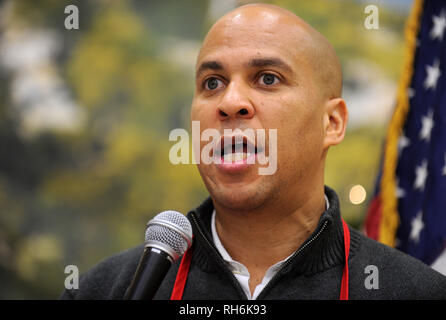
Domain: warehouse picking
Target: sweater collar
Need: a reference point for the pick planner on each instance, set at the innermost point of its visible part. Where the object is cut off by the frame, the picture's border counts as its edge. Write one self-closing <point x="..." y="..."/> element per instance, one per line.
<point x="322" y="250"/>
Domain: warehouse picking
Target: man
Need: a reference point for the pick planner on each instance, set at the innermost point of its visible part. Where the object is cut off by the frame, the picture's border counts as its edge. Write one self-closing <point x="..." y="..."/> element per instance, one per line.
<point x="280" y="235"/>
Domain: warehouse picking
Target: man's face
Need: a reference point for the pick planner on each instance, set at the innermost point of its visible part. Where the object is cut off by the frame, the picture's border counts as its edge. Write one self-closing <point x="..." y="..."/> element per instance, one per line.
<point x="254" y="72"/>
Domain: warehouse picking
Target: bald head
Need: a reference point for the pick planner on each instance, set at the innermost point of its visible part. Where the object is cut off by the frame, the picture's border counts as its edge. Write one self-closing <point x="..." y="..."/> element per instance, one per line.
<point x="278" y="26"/>
<point x="262" y="67"/>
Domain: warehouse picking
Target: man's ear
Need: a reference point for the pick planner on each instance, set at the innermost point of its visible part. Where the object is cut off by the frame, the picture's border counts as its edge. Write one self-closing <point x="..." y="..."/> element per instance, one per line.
<point x="335" y="121"/>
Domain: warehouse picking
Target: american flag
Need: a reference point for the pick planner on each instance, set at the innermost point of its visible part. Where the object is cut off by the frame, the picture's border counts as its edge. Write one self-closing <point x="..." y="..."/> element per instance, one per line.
<point x="409" y="208"/>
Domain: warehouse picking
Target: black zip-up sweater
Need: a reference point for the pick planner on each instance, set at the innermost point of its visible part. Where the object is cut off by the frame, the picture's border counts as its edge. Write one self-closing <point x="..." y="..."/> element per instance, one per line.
<point x="313" y="272"/>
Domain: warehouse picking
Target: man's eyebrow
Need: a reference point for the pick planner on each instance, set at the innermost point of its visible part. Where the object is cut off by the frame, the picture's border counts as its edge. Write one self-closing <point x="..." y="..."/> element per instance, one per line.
<point x="213" y="65"/>
<point x="256" y="62"/>
<point x="266" y="62"/>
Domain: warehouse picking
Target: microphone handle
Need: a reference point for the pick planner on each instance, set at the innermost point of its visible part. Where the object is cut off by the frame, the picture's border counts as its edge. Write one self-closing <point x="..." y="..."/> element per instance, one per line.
<point x="151" y="270"/>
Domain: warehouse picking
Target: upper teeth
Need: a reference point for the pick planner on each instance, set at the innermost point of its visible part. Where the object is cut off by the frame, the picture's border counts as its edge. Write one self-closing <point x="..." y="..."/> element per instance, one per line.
<point x="236" y="156"/>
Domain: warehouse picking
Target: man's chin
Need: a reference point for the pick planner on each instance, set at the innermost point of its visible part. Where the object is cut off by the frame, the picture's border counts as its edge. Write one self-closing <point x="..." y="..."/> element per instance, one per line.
<point x="238" y="192"/>
<point x="239" y="199"/>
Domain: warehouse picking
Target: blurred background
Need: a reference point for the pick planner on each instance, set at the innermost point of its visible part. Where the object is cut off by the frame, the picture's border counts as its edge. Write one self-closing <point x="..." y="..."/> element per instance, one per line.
<point x="85" y="116"/>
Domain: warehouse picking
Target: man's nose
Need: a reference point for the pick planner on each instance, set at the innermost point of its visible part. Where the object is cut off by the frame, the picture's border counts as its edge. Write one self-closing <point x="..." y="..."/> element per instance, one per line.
<point x="235" y="103"/>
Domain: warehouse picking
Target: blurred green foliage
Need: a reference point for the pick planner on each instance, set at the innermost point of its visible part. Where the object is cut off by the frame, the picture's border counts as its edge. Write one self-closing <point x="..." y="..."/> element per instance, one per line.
<point x="342" y="23"/>
<point x="76" y="197"/>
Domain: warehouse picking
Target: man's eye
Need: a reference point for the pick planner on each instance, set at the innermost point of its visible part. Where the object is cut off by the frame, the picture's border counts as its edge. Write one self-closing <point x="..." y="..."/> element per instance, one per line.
<point x="268" y="79"/>
<point x="212" y="83"/>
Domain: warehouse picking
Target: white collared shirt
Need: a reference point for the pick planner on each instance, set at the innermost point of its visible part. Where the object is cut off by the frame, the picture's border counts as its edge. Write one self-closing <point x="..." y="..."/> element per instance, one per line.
<point x="240" y="271"/>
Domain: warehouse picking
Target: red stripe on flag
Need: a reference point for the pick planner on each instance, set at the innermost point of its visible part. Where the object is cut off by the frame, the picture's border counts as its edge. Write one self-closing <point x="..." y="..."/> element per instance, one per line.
<point x="373" y="218"/>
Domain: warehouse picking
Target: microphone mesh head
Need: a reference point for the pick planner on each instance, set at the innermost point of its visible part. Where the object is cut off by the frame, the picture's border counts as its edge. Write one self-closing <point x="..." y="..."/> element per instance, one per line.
<point x="172" y="231"/>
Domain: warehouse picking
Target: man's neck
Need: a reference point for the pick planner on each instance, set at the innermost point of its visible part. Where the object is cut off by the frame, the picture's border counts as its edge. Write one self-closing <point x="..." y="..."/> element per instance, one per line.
<point x="262" y="238"/>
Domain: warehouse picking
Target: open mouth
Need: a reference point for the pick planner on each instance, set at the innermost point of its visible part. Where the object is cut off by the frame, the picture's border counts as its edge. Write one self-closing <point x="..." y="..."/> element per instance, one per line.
<point x="236" y="149"/>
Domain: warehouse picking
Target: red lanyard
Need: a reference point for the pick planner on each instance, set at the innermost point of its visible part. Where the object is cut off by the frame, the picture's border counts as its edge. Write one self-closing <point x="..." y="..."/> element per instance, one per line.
<point x="180" y="281"/>
<point x="344" y="281"/>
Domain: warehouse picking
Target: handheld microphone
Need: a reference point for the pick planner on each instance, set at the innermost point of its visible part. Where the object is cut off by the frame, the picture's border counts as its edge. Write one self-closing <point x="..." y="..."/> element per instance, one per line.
<point x="168" y="236"/>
